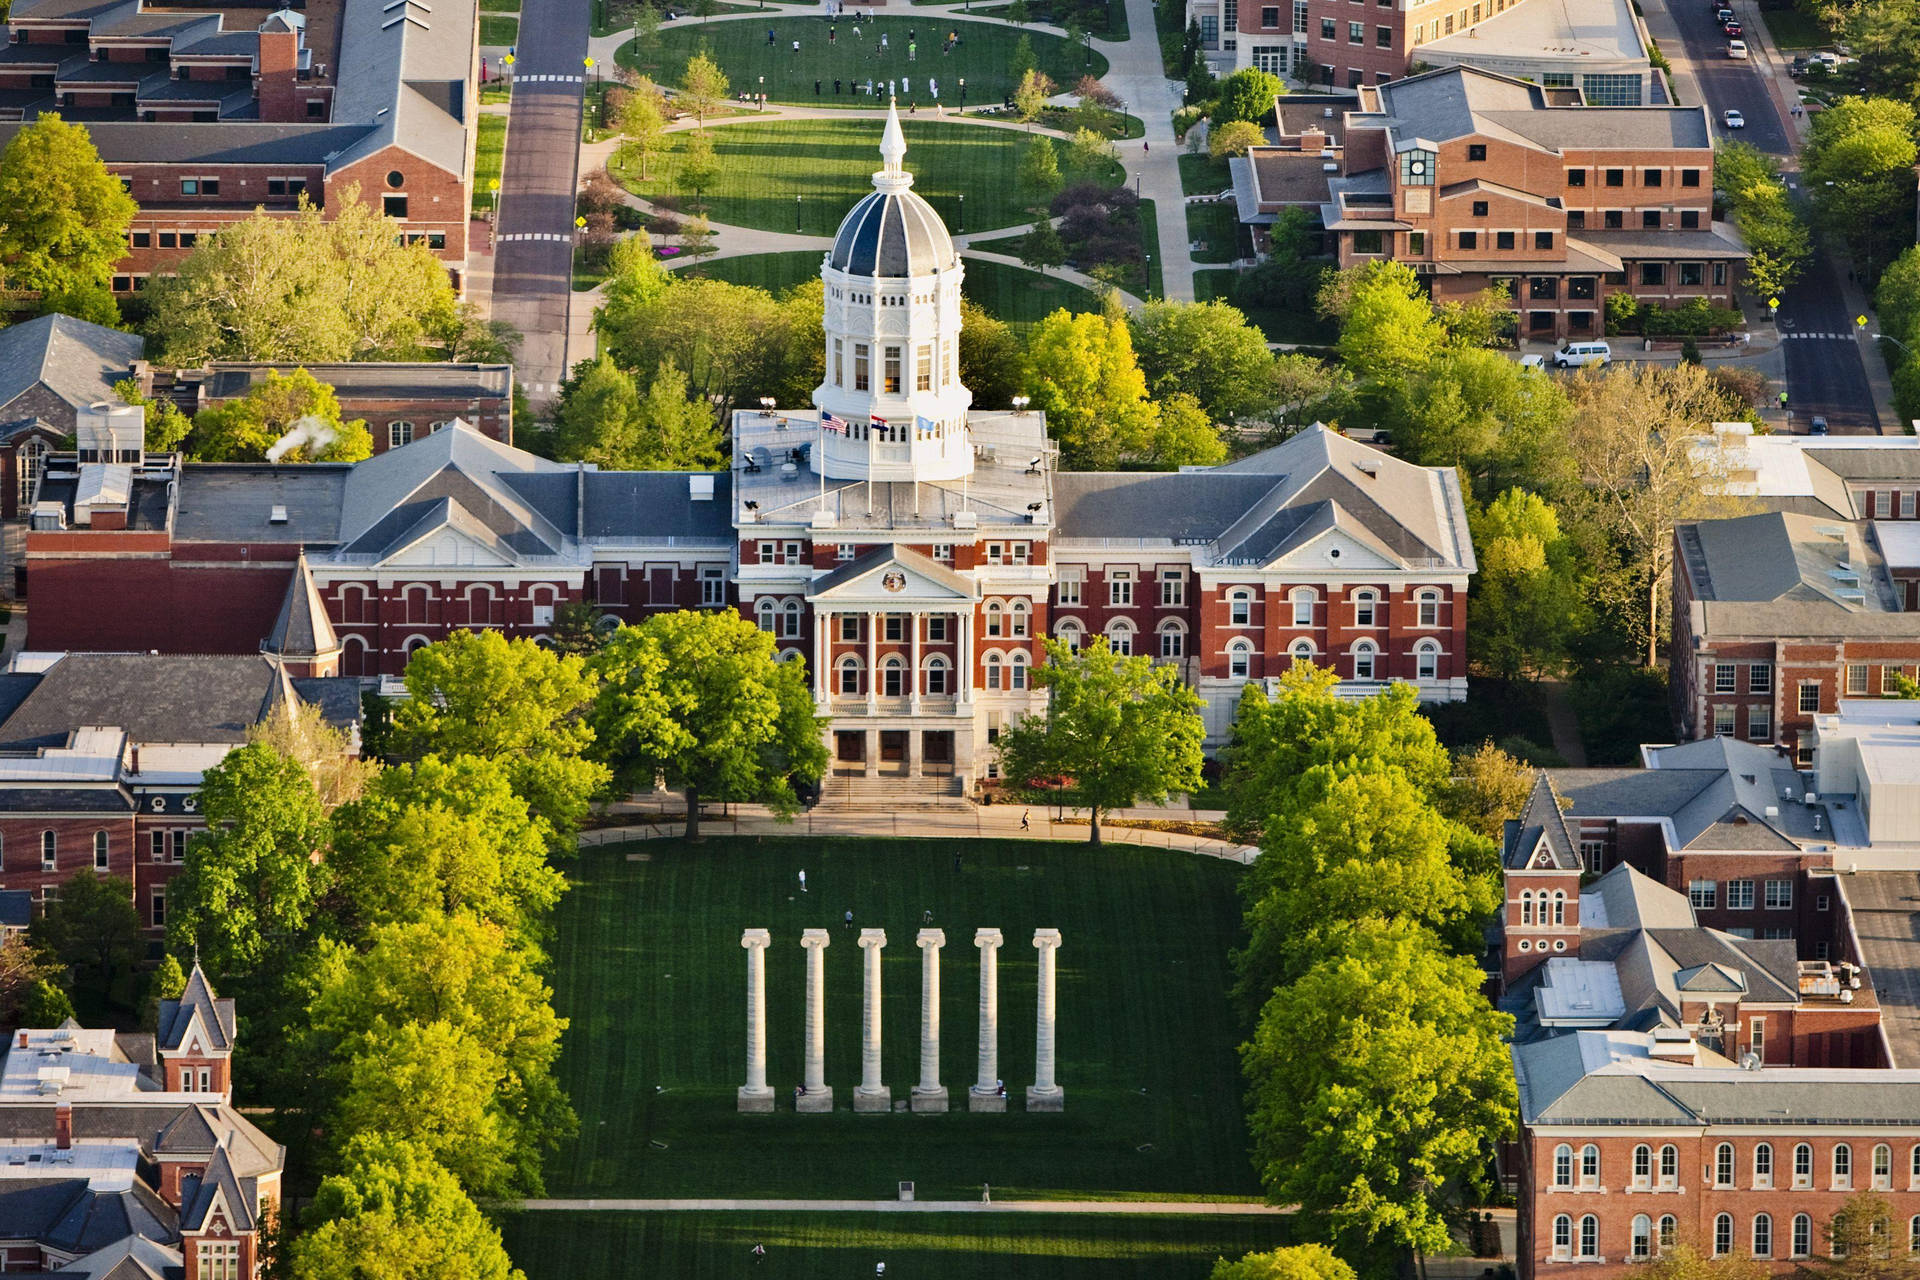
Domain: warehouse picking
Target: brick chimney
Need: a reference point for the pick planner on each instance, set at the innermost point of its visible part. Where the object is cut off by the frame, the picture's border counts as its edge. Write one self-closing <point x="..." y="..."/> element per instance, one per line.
<point x="63" y="1125"/>
<point x="279" y="76"/>
<point x="23" y="1039"/>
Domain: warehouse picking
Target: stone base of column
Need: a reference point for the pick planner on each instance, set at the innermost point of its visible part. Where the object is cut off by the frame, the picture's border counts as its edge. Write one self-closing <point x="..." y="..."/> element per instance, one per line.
<point x="928" y="1101"/>
<point x="814" y="1102"/>
<point x="1054" y="1099"/>
<point x="879" y="1100"/>
<point x="756" y="1100"/>
<point x="992" y="1100"/>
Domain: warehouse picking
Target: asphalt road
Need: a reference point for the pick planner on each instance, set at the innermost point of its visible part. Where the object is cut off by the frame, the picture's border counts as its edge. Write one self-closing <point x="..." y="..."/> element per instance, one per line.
<point x="1825" y="372"/>
<point x="533" y="250"/>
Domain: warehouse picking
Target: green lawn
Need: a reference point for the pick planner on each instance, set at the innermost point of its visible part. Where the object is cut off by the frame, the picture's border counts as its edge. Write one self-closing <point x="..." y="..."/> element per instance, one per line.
<point x="774" y="272"/>
<point x="1298" y="327"/>
<point x="696" y="1246"/>
<point x="499" y="30"/>
<point x="982" y="57"/>
<point x="1202" y="175"/>
<point x="1792" y="29"/>
<point x="1014" y="294"/>
<point x="489" y="150"/>
<point x="829" y="165"/>
<point x="499" y="6"/>
<point x="1154" y="285"/>
<point x="648" y="968"/>
<point x="1217" y="228"/>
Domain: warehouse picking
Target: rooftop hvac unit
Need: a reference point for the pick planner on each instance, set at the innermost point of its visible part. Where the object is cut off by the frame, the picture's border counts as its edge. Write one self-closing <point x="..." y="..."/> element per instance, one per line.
<point x="700" y="488"/>
<point x="278" y="515"/>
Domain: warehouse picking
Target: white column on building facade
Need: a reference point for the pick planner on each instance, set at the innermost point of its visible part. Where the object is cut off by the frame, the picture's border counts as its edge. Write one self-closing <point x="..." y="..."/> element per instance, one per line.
<point x="814" y="1093"/>
<point x="873" y="659"/>
<point x="1045" y="1093"/>
<point x="964" y="664"/>
<point x="915" y="621"/>
<point x="930" y="1094"/>
<point x="756" y="1095"/>
<point x="823" y="655"/>
<point x="986" y="1093"/>
<point x="872" y="1095"/>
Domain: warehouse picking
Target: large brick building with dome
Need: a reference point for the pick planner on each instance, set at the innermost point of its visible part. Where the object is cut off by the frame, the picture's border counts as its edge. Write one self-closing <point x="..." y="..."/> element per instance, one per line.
<point x="910" y="547"/>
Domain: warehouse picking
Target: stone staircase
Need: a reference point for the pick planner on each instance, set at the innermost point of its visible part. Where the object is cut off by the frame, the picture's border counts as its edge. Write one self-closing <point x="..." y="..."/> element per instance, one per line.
<point x="896" y="794"/>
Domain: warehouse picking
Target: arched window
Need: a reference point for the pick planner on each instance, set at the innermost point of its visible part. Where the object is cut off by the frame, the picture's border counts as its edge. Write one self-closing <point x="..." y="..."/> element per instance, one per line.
<point x="1762" y="1235"/>
<point x="353" y="604"/>
<point x="1240" y="607"/>
<point x="892" y="677"/>
<point x="1303" y="599"/>
<point x="1017" y="670"/>
<point x="1669" y="1228"/>
<point x="1913" y="1234"/>
<point x="937" y="672"/>
<point x="1301" y="652"/>
<point x="1763" y="1165"/>
<point x="353" y="657"/>
<point x="1559" y="907"/>
<point x="1723" y="1235"/>
<point x="1641" y="1237"/>
<point x="1589" y="1237"/>
<point x="1669" y="1166"/>
<point x="849" y="668"/>
<point x="1842" y="1167"/>
<point x="1070" y="633"/>
<point x="1590" y="1165"/>
<point x="1364" y="658"/>
<point x="1913" y="1168"/>
<point x="1017" y="618"/>
<point x="1427" y="609"/>
<point x="1563" y="1165"/>
<point x="480" y="606"/>
<point x="1526" y="906"/>
<point x="1643" y="1166"/>
<point x="1802" y="1244"/>
<point x="1120" y="636"/>
<point x="994" y="666"/>
<point x="414" y="644"/>
<point x="1563" y="1237"/>
<point x="1239" y="659"/>
<point x="1723" y="1165"/>
<point x="1803" y="1165"/>
<point x="399" y="433"/>
<point x="790" y="619"/>
<point x="1365" y="606"/>
<point x="1882" y="1166"/>
<point x="1173" y="638"/>
<point x="792" y="655"/>
<point x="99" y="851"/>
<point x="996" y="619"/>
<point x="763" y="614"/>
<point x="1426" y="657"/>
<point x="29" y="462"/>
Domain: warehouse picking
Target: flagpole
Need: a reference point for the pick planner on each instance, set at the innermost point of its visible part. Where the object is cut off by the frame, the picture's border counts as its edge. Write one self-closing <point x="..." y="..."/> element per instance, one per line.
<point x="820" y="454"/>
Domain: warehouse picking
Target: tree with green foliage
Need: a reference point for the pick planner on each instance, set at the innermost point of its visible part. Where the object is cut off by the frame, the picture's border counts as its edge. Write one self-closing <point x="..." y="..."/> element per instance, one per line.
<point x="1526" y="600"/>
<point x="1858" y="163"/>
<point x="732" y="341"/>
<point x="63" y="215"/>
<point x="1487" y="788"/>
<point x="167" y="982"/>
<point x="1247" y="94"/>
<point x="989" y="357"/>
<point x="703" y="86"/>
<point x="166" y="426"/>
<point x="390" y="1201"/>
<point x="1884" y="35"/>
<point x="477" y="693"/>
<point x="45" y="1005"/>
<point x="1379" y="1084"/>
<point x="1019" y="14"/>
<point x="1117" y="731"/>
<point x="1684" y="1259"/>
<point x="285" y="417"/>
<point x="1081" y="370"/>
<point x="1388" y="332"/>
<point x="494" y="1017"/>
<point x="579" y="628"/>
<point x="1040" y="248"/>
<point x="305" y="288"/>
<point x="1089" y="154"/>
<point x="1030" y="97"/>
<point x="253" y="878"/>
<point x="1184" y="435"/>
<point x="1775" y="234"/>
<point x="430" y="1085"/>
<point x="697" y="167"/>
<point x="1496" y="421"/>
<point x="1300" y="390"/>
<point x="95" y="931"/>
<point x="1296" y="1262"/>
<point x="23" y="967"/>
<point x="604" y="419"/>
<point x="1021" y="63"/>
<point x="1897" y="304"/>
<point x="1207" y="350"/>
<point x="704" y="701"/>
<point x="635" y="280"/>
<point x="1233" y="138"/>
<point x="642" y="120"/>
<point x="1039" y="176"/>
<point x="1865" y="1241"/>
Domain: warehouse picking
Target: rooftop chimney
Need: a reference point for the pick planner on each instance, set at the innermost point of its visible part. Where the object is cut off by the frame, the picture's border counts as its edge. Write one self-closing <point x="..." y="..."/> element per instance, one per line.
<point x="63" y="1125"/>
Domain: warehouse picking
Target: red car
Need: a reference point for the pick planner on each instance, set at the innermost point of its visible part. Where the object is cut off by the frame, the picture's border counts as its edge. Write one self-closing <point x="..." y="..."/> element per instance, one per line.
<point x="1733" y="29"/>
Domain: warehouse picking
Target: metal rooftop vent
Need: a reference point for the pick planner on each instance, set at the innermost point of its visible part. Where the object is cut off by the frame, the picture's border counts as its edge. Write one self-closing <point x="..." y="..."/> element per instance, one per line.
<point x="278" y="515"/>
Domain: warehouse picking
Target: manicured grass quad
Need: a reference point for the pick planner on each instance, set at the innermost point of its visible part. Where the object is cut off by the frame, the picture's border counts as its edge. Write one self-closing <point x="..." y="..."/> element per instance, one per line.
<point x="829" y="165"/>
<point x="832" y="1246"/>
<point x="649" y="969"/>
<point x="983" y="57"/>
<point x="1014" y="294"/>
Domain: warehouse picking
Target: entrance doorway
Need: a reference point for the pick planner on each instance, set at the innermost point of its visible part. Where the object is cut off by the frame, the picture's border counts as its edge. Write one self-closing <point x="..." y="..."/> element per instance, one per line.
<point x="850" y="751"/>
<point x="936" y="753"/>
<point x="893" y="751"/>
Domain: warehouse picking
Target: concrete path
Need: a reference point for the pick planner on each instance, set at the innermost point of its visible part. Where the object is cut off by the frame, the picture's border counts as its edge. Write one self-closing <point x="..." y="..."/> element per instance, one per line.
<point x="1563" y="724"/>
<point x="1106" y="1208"/>
<point x="1154" y="163"/>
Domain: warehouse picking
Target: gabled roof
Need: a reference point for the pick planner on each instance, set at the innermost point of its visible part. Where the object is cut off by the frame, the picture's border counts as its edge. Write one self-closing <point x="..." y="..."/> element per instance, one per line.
<point x="219" y="1188"/>
<point x="390" y="494"/>
<point x="197" y="1003"/>
<point x="873" y="576"/>
<point x="302" y="629"/>
<point x="1458" y="102"/>
<point x="1538" y="840"/>
<point x="77" y="361"/>
<point x="403" y="69"/>
<point x="134" y="1258"/>
<point x="1624" y="898"/>
<point x="70" y="1215"/>
<point x="208" y="698"/>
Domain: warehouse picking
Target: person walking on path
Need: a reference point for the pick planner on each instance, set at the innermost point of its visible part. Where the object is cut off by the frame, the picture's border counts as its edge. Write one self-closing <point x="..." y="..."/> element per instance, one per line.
<point x="1025" y="825"/>
<point x="913" y="51"/>
<point x="759" y="1254"/>
<point x="986" y="1193"/>
<point x="803" y="879"/>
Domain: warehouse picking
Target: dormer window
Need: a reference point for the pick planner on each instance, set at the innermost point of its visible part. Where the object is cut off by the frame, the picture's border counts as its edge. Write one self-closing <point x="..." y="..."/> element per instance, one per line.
<point x="1416" y="168"/>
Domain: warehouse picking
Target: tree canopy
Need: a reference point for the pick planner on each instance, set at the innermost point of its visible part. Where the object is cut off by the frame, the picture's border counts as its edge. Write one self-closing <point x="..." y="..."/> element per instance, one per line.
<point x="606" y="419"/>
<point x="1081" y="370"/>
<point x="1527" y="603"/>
<point x="63" y="215"/>
<point x="95" y="931"/>
<point x="392" y="1202"/>
<point x="1247" y="94"/>
<point x="1208" y="350"/>
<point x="285" y="417"/>
<point x="1296" y="1262"/>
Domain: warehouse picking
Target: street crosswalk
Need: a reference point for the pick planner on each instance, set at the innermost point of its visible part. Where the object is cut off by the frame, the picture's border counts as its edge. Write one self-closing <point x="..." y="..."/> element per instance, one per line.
<point x="536" y="235"/>
<point x="545" y="78"/>
<point x="1841" y="337"/>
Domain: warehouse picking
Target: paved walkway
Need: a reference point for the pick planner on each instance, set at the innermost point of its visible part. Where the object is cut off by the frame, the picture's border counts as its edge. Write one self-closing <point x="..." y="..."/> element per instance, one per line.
<point x="1106" y="1208"/>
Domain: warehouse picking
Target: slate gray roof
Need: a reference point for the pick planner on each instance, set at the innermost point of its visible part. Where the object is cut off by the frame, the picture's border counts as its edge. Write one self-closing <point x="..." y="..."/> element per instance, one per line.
<point x="1458" y="102"/>
<point x="1784" y="574"/>
<point x="18" y="799"/>
<point x="154" y="697"/>
<point x="216" y="142"/>
<point x="1866" y="464"/>
<point x="1882" y="905"/>
<point x="1722" y="241"/>
<point x="389" y="493"/>
<point x="157" y="1127"/>
<point x="1715" y="792"/>
<point x="1181" y="506"/>
<point x="403" y="70"/>
<point x="176" y="1016"/>
<point x="224" y="502"/>
<point x="1629" y="899"/>
<point x="134" y="1258"/>
<point x="374" y="379"/>
<point x="77" y="361"/>
<point x="619" y="503"/>
<point x="219" y="1180"/>
<point x="69" y="1215"/>
<point x="1540" y="820"/>
<point x="302" y="628"/>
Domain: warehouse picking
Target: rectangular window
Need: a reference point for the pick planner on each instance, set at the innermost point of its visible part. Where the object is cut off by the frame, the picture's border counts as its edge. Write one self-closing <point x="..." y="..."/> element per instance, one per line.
<point x="839" y="362"/>
<point x="1356" y="33"/>
<point x="1653" y="273"/>
<point x="943" y="552"/>
<point x="1809" y="697"/>
<point x="1417" y="243"/>
<point x="1701" y="893"/>
<point x="849" y="628"/>
<point x="1476" y="151"/>
<point x="1613" y="220"/>
<point x="1651" y="178"/>
<point x="1173" y="589"/>
<point x="1856" y="679"/>
<point x="157" y="912"/>
<point x="1367" y="242"/>
<point x="1209" y="30"/>
<point x="1300" y="17"/>
<point x="1723" y="721"/>
<point x="1383" y="37"/>
<point x="1120" y="587"/>
<point x="1068" y="592"/>
<point x="1723" y="677"/>
<point x="1692" y="274"/>
<point x="891" y="383"/>
<point x="1269" y="17"/>
<point x="1779" y="895"/>
<point x="1760" y="678"/>
<point x="1760" y="723"/>
<point x="169" y="240"/>
<point x="896" y="627"/>
<point x="1543" y="287"/>
<point x="844" y="551"/>
<point x="1649" y="219"/>
<point x="1543" y="239"/>
<point x="862" y="379"/>
<point x="1576" y="177"/>
<point x="923" y="369"/>
<point x="713" y="586"/>
<point x="399" y="433"/>
<point x="157" y="844"/>
<point x="1906" y="505"/>
<point x="1616" y="177"/>
<point x="1689" y="219"/>
<point x="143" y="239"/>
<point x="1503" y="240"/>
<point x="1326" y="29"/>
<point x="1479" y="208"/>
<point x="394" y="206"/>
<point x="1469" y="239"/>
<point x="1739" y="895"/>
<point x="189" y="186"/>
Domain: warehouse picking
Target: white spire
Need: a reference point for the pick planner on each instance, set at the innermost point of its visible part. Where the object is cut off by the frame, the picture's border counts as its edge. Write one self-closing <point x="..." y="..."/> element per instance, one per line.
<point x="893" y="143"/>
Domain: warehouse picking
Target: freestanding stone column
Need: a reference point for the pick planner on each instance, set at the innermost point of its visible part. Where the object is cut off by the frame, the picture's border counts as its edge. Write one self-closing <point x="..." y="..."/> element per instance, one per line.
<point x="815" y="1095"/>
<point x="756" y="1095"/>
<point x="1044" y="1094"/>
<point x="930" y="1094"/>
<point x="985" y="1094"/>
<point x="872" y="1095"/>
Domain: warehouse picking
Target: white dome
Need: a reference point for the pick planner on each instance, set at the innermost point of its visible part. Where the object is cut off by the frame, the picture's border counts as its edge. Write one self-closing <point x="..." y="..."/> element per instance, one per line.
<point x="892" y="234"/>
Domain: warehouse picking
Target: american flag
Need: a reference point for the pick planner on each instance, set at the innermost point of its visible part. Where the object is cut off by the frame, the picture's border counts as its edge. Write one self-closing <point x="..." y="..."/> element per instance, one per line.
<point x="830" y="423"/>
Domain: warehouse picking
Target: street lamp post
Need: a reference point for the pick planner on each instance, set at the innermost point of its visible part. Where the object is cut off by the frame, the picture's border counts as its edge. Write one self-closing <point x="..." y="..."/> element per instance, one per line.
<point x="1881" y="337"/>
<point x="600" y="111"/>
<point x="763" y="93"/>
<point x="963" y="212"/>
<point x="796" y="214"/>
<point x="963" y="88"/>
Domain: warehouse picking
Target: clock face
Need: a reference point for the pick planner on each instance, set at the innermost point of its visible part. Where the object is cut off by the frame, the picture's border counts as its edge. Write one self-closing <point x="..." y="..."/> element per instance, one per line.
<point x="1419" y="166"/>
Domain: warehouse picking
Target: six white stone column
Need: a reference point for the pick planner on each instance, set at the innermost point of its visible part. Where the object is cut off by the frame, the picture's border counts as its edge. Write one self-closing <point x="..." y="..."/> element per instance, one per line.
<point x="930" y="1095"/>
<point x="756" y="1095"/>
<point x="815" y="1095"/>
<point x="985" y="1095"/>
<point x="873" y="1094"/>
<point x="1045" y="1093"/>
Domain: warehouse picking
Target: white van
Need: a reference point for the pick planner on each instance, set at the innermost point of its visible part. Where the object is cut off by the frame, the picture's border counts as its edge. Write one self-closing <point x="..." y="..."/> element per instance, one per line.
<point x="1583" y="353"/>
<point x="1736" y="48"/>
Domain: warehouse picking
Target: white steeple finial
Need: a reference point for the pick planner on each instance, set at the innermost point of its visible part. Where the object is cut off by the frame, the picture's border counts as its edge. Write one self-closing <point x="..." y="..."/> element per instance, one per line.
<point x="893" y="146"/>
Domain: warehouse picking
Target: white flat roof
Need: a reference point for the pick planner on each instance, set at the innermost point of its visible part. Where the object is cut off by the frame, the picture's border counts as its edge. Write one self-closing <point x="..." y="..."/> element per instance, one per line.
<point x="1579" y="991"/>
<point x="1599" y="31"/>
<point x="108" y="1165"/>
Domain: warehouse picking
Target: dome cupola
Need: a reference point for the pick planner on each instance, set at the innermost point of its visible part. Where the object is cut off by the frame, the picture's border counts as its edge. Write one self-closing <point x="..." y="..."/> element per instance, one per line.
<point x="893" y="233"/>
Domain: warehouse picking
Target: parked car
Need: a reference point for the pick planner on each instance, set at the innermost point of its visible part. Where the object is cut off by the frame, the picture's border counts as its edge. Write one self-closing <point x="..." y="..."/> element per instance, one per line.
<point x="1818" y="427"/>
<point x="1733" y="119"/>
<point x="1722" y="14"/>
<point x="1736" y="48"/>
<point x="1798" y="67"/>
<point x="1533" y="361"/>
<point x="1583" y="353"/>
<point x="1733" y="29"/>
